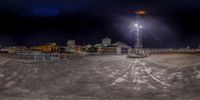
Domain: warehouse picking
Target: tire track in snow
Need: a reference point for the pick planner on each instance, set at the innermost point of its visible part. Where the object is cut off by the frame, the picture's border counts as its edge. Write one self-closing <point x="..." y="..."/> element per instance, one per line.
<point x="153" y="77"/>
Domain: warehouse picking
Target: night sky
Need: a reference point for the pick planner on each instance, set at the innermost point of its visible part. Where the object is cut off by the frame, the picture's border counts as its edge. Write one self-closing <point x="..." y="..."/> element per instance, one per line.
<point x="168" y="23"/>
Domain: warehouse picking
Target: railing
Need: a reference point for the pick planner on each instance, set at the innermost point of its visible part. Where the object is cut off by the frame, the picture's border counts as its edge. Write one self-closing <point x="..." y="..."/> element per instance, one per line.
<point x="163" y="51"/>
<point x="53" y="57"/>
<point x="44" y="57"/>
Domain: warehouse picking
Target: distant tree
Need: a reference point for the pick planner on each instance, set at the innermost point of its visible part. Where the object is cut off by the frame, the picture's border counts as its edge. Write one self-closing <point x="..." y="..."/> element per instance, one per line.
<point x="92" y="49"/>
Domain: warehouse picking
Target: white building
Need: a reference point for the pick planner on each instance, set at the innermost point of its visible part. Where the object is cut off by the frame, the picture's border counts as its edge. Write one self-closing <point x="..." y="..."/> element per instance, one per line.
<point x="4" y="50"/>
<point x="121" y="47"/>
<point x="116" y="48"/>
<point x="106" y="42"/>
<point x="71" y="45"/>
<point x="16" y="49"/>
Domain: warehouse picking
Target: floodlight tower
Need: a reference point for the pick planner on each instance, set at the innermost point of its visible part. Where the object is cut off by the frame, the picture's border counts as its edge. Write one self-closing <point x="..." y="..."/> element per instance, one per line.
<point x="138" y="35"/>
<point x="138" y="38"/>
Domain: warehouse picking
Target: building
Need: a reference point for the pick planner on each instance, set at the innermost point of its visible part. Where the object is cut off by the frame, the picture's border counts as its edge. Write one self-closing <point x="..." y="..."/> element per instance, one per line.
<point x="86" y="47"/>
<point x="121" y="48"/>
<point x="99" y="46"/>
<point x="16" y="49"/>
<point x="71" y="45"/>
<point x="79" y="49"/>
<point x="47" y="48"/>
<point x="111" y="49"/>
<point x="4" y="50"/>
<point x="106" y="42"/>
<point x="116" y="48"/>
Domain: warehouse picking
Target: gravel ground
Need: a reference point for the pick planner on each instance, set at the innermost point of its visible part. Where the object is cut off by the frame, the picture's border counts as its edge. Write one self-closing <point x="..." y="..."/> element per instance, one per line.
<point x="98" y="78"/>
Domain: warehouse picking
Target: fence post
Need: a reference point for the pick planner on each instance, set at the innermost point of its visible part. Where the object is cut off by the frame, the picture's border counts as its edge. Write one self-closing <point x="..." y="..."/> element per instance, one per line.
<point x="51" y="56"/>
<point x="58" y="56"/>
<point x="34" y="57"/>
<point x="65" y="56"/>
<point x="43" y="57"/>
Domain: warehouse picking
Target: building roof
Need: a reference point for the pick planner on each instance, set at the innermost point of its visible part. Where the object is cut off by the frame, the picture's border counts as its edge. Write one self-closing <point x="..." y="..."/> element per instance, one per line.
<point x="111" y="45"/>
<point x="121" y="44"/>
<point x="117" y="44"/>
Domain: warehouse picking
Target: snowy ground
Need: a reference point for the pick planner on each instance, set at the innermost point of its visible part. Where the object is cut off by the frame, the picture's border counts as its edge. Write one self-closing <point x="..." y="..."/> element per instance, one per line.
<point x="174" y="60"/>
<point x="101" y="78"/>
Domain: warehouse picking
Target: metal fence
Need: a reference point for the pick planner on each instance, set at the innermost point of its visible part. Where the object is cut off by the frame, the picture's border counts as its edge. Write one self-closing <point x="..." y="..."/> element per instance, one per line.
<point x="157" y="51"/>
<point x="46" y="57"/>
<point x="53" y="57"/>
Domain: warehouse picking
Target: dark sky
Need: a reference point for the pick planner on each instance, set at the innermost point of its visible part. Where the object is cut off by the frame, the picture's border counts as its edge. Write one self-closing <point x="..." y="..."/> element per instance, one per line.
<point x="168" y="23"/>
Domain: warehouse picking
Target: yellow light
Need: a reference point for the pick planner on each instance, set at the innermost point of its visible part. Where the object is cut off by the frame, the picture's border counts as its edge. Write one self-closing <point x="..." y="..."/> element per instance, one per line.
<point x="140" y="12"/>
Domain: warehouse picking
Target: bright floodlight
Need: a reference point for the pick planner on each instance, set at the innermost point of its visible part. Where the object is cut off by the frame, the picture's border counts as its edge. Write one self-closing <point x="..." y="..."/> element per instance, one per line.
<point x="138" y="26"/>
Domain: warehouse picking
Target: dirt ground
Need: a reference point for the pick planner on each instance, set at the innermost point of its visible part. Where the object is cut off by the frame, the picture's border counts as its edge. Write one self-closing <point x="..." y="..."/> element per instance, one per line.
<point x="113" y="77"/>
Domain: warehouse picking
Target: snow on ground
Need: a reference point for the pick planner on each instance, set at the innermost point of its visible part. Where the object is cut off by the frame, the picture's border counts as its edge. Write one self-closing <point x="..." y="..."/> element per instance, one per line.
<point x="4" y="60"/>
<point x="111" y="77"/>
<point x="174" y="60"/>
